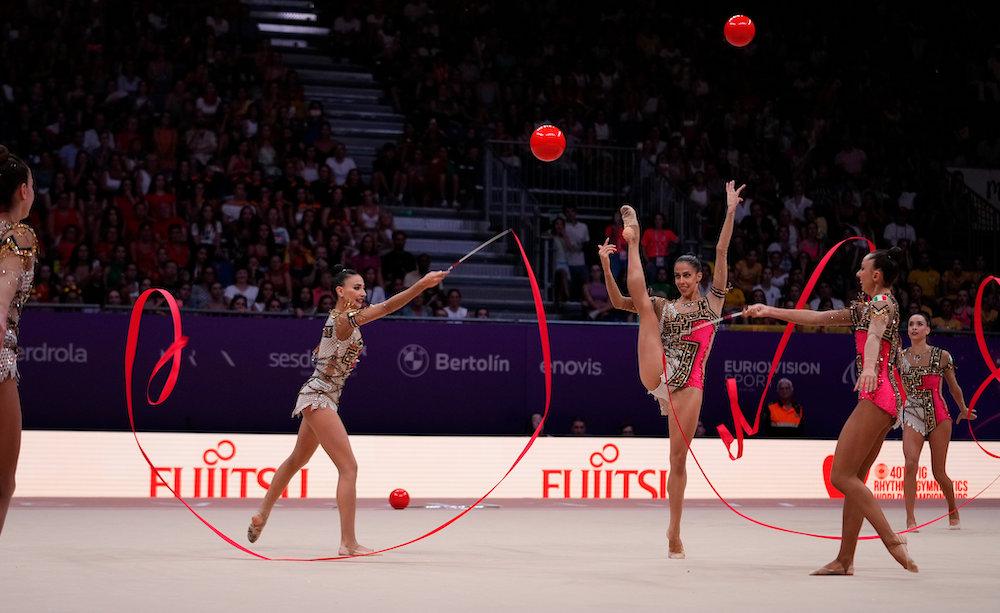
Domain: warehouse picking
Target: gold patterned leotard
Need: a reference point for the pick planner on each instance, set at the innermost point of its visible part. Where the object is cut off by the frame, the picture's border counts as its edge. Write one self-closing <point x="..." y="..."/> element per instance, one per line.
<point x="888" y="394"/>
<point x="687" y="338"/>
<point x="18" y="247"/>
<point x="335" y="360"/>
<point x="925" y="408"/>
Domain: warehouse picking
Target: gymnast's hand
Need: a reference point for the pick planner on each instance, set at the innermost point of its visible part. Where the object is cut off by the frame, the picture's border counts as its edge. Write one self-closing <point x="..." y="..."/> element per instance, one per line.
<point x="757" y="310"/>
<point x="965" y="413"/>
<point x="432" y="279"/>
<point x="604" y="251"/>
<point x="733" y="197"/>
<point x="866" y="382"/>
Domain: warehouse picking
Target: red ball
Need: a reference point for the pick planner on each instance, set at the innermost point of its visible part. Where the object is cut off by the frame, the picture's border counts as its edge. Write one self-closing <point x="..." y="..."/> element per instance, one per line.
<point x="399" y="499"/>
<point x="548" y="143"/>
<point x="739" y="30"/>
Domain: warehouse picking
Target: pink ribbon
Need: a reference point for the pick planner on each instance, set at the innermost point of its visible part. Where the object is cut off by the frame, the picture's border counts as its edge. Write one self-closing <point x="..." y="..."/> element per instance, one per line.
<point x="173" y="355"/>
<point x="743" y="427"/>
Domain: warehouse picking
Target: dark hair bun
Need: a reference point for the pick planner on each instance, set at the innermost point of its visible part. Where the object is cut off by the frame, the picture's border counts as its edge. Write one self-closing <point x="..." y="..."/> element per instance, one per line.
<point x="13" y="174"/>
<point x="887" y="260"/>
<point x="338" y="268"/>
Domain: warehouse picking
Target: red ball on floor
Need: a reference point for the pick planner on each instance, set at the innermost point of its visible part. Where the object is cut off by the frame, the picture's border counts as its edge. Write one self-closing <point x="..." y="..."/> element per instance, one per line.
<point x="399" y="499"/>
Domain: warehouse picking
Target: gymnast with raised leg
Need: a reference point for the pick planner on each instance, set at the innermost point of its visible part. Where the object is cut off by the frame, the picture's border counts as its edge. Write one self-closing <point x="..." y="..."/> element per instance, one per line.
<point x="682" y="331"/>
<point x="318" y="400"/>
<point x="925" y="414"/>
<point x="880" y="401"/>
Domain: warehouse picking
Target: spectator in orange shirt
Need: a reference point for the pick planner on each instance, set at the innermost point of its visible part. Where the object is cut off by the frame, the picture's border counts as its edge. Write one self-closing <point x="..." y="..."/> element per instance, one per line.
<point x="784" y="415"/>
<point x="656" y="244"/>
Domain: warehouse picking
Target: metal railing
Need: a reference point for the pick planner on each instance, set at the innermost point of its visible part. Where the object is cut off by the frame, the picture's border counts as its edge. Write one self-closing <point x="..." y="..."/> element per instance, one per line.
<point x="975" y="228"/>
<point x="526" y="194"/>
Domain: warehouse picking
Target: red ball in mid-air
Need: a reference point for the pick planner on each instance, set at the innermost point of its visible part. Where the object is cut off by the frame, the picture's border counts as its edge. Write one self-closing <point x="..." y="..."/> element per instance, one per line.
<point x="399" y="499"/>
<point x="739" y="30"/>
<point x="547" y="143"/>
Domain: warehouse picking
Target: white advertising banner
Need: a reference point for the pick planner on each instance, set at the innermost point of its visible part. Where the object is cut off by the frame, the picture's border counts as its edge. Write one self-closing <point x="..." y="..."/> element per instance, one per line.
<point x="108" y="464"/>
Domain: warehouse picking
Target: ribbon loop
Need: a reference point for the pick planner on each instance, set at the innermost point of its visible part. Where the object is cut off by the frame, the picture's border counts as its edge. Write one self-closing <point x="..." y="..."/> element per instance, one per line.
<point x="739" y="421"/>
<point x="743" y="427"/>
<point x="977" y="318"/>
<point x="173" y="355"/>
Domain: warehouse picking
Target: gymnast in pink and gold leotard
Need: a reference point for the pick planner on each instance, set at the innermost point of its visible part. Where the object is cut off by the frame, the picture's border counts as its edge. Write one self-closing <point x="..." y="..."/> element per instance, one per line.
<point x="925" y="408"/>
<point x="674" y="341"/>
<point x="925" y="369"/>
<point x="880" y="401"/>
<point x="888" y="394"/>
<point x="687" y="330"/>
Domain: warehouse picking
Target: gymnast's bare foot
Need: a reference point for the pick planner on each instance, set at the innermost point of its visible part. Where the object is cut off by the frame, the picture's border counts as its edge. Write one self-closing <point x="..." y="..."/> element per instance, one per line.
<point x="256" y="527"/>
<point x="897" y="550"/>
<point x="631" y="231"/>
<point x="675" y="548"/>
<point x="835" y="568"/>
<point x="353" y="550"/>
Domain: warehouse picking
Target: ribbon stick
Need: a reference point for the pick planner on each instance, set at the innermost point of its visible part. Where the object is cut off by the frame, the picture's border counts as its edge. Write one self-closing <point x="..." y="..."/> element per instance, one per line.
<point x="173" y="355"/>
<point x="480" y="248"/>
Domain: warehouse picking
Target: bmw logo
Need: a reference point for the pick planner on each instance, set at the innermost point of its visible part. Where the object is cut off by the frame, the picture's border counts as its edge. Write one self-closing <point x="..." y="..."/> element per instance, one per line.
<point x="413" y="360"/>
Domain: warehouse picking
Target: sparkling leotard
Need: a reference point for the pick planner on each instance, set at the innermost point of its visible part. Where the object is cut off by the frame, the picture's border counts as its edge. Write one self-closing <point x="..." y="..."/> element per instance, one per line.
<point x="18" y="247"/>
<point x="888" y="394"/>
<point x="687" y="340"/>
<point x="925" y="408"/>
<point x="335" y="360"/>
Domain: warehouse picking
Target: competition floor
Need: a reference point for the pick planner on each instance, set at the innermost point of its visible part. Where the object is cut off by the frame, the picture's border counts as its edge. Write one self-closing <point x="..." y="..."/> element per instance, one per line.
<point x="104" y="555"/>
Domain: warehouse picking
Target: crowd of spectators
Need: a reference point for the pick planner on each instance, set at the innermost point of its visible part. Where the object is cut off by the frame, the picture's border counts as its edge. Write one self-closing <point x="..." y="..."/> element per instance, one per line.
<point x="171" y="150"/>
<point x="840" y="126"/>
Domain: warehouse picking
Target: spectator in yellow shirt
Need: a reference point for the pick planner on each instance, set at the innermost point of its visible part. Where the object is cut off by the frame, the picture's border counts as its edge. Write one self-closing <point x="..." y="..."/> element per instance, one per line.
<point x="735" y="299"/>
<point x="946" y="320"/>
<point x="979" y="272"/>
<point x="749" y="271"/>
<point x="917" y="297"/>
<point x="955" y="279"/>
<point x="926" y="277"/>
